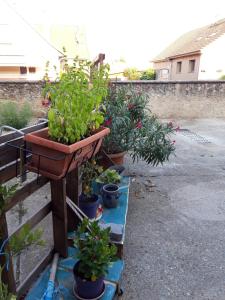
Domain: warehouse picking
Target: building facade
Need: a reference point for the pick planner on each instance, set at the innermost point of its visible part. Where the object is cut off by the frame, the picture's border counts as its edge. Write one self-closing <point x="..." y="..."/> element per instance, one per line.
<point x="197" y="55"/>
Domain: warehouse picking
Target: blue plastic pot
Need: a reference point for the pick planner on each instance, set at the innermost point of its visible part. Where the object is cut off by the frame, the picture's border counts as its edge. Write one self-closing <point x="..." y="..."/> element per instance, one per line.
<point x="87" y="289"/>
<point x="89" y="205"/>
<point x="110" y="195"/>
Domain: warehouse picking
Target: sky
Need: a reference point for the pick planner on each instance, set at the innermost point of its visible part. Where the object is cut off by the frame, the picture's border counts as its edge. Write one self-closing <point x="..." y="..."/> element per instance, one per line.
<point x="133" y="30"/>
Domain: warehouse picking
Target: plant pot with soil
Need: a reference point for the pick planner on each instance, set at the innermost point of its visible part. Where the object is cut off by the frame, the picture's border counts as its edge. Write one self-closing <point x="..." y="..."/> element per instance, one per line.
<point x="74" y="132"/>
<point x="110" y="195"/>
<point x="95" y="253"/>
<point x="88" y="200"/>
<point x="108" y="187"/>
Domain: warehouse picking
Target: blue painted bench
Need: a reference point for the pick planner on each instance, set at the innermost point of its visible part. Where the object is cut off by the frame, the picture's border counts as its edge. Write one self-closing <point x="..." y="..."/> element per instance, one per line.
<point x="64" y="275"/>
<point x="116" y="215"/>
<point x="65" y="280"/>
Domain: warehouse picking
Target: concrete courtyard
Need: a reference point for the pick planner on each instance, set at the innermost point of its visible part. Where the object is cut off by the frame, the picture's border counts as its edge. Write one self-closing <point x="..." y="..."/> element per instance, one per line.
<point x="175" y="235"/>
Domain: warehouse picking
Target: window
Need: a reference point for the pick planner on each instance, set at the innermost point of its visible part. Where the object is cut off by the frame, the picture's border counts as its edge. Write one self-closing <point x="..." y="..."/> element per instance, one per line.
<point x="179" y="66"/>
<point x="191" y="65"/>
<point x="32" y="69"/>
<point x="164" y="73"/>
<point x="23" y="70"/>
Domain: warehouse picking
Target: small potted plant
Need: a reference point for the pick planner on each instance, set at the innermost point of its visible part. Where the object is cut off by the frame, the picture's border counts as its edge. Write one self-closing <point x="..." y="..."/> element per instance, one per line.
<point x="95" y="254"/>
<point x="109" y="176"/>
<point x="88" y="200"/>
<point x="108" y="186"/>
<point x="74" y="130"/>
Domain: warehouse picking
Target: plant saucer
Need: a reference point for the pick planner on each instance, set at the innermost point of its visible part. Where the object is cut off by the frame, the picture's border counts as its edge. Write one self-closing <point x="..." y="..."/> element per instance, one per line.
<point x="80" y="298"/>
<point x="98" y="213"/>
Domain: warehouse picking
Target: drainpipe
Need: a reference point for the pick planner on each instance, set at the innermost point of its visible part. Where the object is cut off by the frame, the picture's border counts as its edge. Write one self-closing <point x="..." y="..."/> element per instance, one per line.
<point x="170" y="73"/>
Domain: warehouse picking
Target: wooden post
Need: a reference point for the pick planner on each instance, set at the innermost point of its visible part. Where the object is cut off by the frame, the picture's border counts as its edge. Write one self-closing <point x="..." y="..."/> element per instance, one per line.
<point x="7" y="275"/>
<point x="59" y="216"/>
<point x="73" y="190"/>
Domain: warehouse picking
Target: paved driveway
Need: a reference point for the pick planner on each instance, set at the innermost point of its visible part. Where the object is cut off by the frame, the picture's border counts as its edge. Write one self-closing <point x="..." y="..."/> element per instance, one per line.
<point x="175" y="242"/>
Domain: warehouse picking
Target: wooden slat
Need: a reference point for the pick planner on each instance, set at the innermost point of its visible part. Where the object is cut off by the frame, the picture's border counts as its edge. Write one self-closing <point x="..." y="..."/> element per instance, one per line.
<point x="26" y="284"/>
<point x="8" y="154"/>
<point x="59" y="216"/>
<point x="8" y="172"/>
<point x="11" y="170"/>
<point x="73" y="190"/>
<point x="7" y="137"/>
<point x="26" y="191"/>
<point x="7" y="275"/>
<point x="35" y="218"/>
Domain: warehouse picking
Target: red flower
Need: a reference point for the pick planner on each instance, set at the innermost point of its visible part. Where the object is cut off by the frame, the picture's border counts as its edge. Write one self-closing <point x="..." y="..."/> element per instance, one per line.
<point x="45" y="103"/>
<point x="170" y="124"/>
<point x="108" y="122"/>
<point x="139" y="124"/>
<point x="130" y="106"/>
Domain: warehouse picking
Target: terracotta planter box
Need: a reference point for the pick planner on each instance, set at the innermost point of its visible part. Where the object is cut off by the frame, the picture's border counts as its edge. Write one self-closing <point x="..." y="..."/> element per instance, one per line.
<point x="54" y="160"/>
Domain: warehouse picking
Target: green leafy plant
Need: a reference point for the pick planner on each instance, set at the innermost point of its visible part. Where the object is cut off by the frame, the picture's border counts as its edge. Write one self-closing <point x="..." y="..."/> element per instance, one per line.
<point x="94" y="250"/>
<point x="14" y="115"/>
<point x="109" y="176"/>
<point x="26" y="238"/>
<point x="90" y="171"/>
<point x="131" y="74"/>
<point x="4" y="293"/>
<point x="6" y="192"/>
<point x="76" y="98"/>
<point x="148" y="75"/>
<point x="134" y="128"/>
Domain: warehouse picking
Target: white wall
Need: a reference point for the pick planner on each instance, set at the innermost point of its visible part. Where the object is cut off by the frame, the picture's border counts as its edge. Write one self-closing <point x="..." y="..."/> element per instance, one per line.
<point x="212" y="64"/>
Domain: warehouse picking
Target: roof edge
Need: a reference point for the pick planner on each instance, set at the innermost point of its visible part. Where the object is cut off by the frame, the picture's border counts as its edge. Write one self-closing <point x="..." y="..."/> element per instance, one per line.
<point x="176" y="56"/>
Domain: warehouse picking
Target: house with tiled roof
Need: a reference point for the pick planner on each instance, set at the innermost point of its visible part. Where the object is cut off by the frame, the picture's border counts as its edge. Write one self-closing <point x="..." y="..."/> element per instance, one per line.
<point x="196" y="55"/>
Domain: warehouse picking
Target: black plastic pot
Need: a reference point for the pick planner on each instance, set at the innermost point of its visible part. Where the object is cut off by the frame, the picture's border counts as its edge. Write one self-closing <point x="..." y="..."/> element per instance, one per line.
<point x="89" y="205"/>
<point x="110" y="195"/>
<point x="87" y="289"/>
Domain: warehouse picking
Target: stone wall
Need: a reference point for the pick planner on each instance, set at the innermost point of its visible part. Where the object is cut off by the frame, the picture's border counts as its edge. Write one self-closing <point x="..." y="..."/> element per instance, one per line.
<point x="21" y="90"/>
<point x="167" y="99"/>
<point x="182" y="99"/>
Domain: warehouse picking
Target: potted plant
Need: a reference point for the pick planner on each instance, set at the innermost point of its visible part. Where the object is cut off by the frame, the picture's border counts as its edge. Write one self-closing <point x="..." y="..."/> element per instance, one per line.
<point x="109" y="176"/>
<point x="88" y="200"/>
<point x="108" y="186"/>
<point x="135" y="129"/>
<point x="95" y="253"/>
<point x="74" y="130"/>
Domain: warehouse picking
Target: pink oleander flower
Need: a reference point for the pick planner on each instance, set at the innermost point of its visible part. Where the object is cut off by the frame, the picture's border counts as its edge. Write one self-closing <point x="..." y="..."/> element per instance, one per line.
<point x="177" y="129"/>
<point x="139" y="124"/>
<point x="170" y="124"/>
<point x="130" y="106"/>
<point x="108" y="122"/>
<point x="173" y="142"/>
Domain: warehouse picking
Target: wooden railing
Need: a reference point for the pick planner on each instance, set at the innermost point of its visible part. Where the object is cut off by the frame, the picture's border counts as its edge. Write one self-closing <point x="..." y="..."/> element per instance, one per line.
<point x="12" y="164"/>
